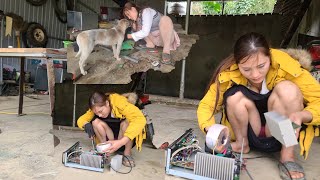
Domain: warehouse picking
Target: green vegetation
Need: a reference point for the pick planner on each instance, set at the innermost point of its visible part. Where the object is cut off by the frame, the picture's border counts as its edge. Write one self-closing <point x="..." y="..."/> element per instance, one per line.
<point x="233" y="7"/>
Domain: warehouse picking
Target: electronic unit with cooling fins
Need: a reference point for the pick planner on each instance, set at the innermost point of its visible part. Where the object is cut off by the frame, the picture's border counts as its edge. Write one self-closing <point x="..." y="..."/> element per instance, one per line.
<point x="184" y="158"/>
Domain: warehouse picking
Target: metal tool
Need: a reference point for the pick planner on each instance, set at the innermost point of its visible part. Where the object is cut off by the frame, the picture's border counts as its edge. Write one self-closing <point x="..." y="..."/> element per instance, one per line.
<point x="131" y="59"/>
<point x="93" y="144"/>
<point x="155" y="64"/>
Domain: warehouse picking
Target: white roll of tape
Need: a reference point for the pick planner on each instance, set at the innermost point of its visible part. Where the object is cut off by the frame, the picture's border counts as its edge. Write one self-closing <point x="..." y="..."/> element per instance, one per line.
<point x="102" y="147"/>
<point x="217" y="137"/>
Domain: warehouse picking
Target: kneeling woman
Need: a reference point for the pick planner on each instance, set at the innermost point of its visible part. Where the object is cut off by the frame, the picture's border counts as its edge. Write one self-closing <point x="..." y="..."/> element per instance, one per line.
<point x="154" y="28"/>
<point x="113" y="119"/>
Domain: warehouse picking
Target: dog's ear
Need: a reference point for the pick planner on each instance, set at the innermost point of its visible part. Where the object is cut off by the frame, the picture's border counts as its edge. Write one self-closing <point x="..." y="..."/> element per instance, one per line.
<point x="116" y="21"/>
<point x="130" y="23"/>
<point x="126" y="22"/>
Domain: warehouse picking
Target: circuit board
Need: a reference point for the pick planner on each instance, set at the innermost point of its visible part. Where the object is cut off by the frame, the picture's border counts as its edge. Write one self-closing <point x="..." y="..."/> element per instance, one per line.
<point x="184" y="150"/>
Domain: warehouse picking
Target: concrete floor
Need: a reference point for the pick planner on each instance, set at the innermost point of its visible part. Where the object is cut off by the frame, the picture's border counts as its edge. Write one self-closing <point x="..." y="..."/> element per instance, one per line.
<point x="27" y="148"/>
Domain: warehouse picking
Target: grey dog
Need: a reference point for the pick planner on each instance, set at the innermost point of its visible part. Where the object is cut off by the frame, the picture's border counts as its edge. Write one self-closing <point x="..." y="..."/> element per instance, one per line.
<point x="114" y="37"/>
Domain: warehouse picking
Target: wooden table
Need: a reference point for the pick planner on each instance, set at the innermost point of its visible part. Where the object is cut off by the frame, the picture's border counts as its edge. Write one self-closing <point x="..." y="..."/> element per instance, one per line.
<point x="36" y="53"/>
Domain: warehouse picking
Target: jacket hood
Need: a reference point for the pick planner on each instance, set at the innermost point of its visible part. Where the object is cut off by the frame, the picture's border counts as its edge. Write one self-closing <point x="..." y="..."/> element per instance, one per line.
<point x="132" y="97"/>
<point x="301" y="55"/>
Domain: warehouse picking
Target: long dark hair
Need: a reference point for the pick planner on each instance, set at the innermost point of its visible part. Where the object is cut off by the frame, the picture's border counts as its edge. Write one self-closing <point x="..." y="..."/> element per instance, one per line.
<point x="246" y="46"/>
<point x="128" y="6"/>
<point x="98" y="99"/>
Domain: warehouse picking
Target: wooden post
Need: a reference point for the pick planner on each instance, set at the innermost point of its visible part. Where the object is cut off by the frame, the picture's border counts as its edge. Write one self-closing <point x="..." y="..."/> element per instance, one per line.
<point x="51" y="84"/>
<point x="21" y="86"/>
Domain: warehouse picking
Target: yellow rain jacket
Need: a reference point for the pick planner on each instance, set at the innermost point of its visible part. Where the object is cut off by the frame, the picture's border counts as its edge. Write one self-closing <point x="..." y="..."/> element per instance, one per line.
<point x="283" y="67"/>
<point x="121" y="108"/>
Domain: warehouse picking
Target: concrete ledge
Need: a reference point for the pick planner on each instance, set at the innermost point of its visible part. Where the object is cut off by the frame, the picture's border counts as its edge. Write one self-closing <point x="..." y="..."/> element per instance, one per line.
<point x="173" y="100"/>
<point x="69" y="128"/>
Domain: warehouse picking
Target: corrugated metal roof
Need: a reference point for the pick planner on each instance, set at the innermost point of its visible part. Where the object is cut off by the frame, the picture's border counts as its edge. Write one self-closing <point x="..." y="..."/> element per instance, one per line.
<point x="292" y="12"/>
<point x="41" y="14"/>
<point x="94" y="5"/>
<point x="287" y="9"/>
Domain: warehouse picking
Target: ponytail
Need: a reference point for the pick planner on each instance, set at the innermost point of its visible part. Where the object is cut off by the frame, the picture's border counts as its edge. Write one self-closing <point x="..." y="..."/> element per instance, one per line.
<point x="223" y="66"/>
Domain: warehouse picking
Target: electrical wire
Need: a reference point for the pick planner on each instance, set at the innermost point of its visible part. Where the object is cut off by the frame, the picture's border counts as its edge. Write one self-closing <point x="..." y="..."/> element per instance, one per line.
<point x="185" y="147"/>
<point x="131" y="166"/>
<point x="256" y="157"/>
<point x="273" y="157"/>
<point x="73" y="153"/>
<point x="288" y="172"/>
<point x="244" y="167"/>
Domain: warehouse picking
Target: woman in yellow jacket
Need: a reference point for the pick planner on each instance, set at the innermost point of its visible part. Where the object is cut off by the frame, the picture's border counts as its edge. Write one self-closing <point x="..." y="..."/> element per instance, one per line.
<point x="256" y="79"/>
<point x="112" y="118"/>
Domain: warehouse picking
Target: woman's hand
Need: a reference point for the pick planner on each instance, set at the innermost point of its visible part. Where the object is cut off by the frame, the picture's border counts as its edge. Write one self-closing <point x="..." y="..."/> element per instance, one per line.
<point x="129" y="36"/>
<point x="116" y="144"/>
<point x="88" y="128"/>
<point x="299" y="118"/>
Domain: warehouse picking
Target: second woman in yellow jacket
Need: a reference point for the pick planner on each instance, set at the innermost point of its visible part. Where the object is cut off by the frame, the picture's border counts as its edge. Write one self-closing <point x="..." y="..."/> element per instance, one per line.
<point x="256" y="79"/>
<point x="112" y="118"/>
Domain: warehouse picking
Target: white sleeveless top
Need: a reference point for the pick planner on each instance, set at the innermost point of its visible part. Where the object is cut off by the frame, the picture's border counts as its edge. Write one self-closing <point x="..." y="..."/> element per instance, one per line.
<point x="264" y="89"/>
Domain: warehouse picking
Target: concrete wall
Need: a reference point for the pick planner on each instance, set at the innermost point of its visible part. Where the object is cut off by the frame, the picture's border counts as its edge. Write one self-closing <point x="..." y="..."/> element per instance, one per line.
<point x="64" y="92"/>
<point x="217" y="35"/>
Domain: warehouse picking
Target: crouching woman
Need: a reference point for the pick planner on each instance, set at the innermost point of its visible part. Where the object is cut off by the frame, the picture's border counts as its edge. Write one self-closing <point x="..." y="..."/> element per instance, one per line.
<point x="256" y="79"/>
<point x="113" y="119"/>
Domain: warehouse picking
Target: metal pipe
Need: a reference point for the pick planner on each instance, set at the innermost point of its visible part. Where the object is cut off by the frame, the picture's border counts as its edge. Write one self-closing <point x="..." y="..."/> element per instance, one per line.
<point x="1" y="61"/>
<point x="165" y="8"/>
<point x="183" y="68"/>
<point x="74" y="105"/>
<point x="181" y="92"/>
<point x="187" y="16"/>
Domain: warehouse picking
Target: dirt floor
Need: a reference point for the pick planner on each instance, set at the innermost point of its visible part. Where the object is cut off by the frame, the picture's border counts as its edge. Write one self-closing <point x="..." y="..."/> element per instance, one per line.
<point x="104" y="69"/>
<point x="27" y="145"/>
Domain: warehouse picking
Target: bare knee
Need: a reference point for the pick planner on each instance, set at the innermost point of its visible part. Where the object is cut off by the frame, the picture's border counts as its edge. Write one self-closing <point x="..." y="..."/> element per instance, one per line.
<point x="287" y="92"/>
<point x="239" y="100"/>
<point x="165" y="22"/>
<point x="95" y="122"/>
<point x="165" y="19"/>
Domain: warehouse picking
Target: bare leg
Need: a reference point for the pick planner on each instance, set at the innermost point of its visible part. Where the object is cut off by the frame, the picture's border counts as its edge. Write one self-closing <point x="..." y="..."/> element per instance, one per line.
<point x="114" y="50"/>
<point x="241" y="111"/>
<point x="149" y="42"/>
<point x="123" y="126"/>
<point x="102" y="130"/>
<point x="166" y="33"/>
<point x="285" y="103"/>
